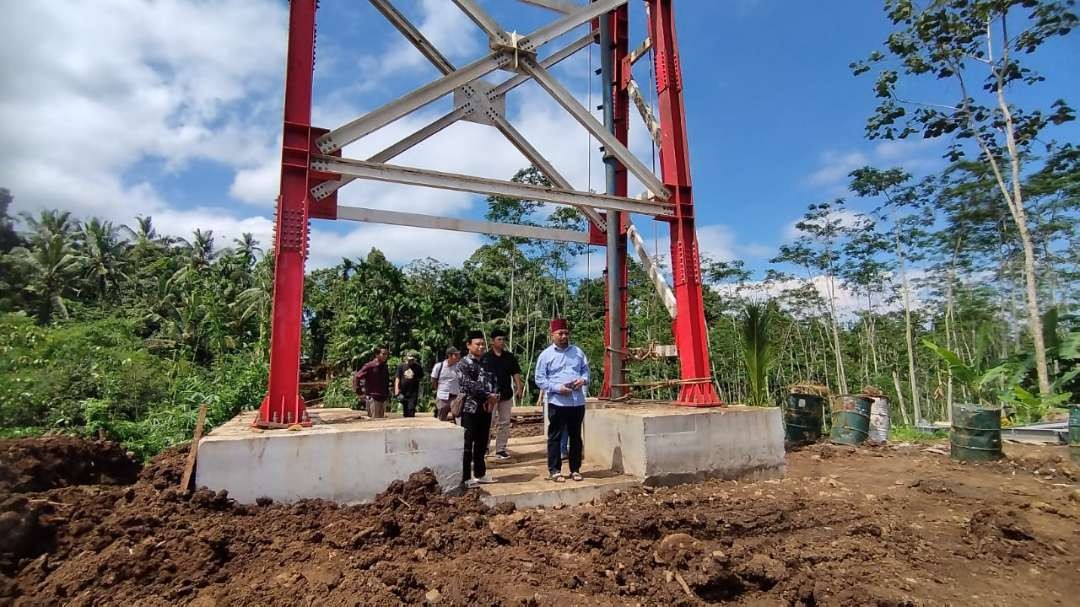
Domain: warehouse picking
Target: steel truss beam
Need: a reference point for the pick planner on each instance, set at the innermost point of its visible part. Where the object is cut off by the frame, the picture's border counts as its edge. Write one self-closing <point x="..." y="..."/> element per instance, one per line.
<point x="667" y="296"/>
<point x="456" y="224"/>
<point x="376" y="119"/>
<point x="645" y="111"/>
<point x="483" y="20"/>
<point x="413" y="35"/>
<point x="611" y="144"/>
<point x="327" y="188"/>
<point x="480" y="185"/>
<point x="554" y="5"/>
<point x="639" y="52"/>
<point x="479" y="99"/>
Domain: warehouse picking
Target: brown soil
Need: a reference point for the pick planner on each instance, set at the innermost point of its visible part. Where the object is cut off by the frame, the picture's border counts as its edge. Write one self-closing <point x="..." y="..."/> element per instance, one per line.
<point x="874" y="526"/>
<point x="526" y="427"/>
<point x="58" y="461"/>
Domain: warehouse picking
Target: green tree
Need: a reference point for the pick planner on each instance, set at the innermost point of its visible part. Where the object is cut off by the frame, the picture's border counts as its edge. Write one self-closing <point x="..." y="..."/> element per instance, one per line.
<point x="103" y="258"/>
<point x="759" y="352"/>
<point x="974" y="44"/>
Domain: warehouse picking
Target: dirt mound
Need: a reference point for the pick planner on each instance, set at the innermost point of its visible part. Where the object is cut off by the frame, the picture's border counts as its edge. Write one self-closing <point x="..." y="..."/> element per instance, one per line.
<point x="848" y="527"/>
<point x="60" y="461"/>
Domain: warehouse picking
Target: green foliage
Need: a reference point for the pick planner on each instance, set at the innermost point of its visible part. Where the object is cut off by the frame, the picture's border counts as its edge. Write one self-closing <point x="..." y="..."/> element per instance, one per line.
<point x="46" y="373"/>
<point x="758" y="350"/>
<point x="339" y="393"/>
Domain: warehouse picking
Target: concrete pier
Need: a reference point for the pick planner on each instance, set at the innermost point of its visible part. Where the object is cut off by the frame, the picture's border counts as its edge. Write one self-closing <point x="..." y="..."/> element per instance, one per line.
<point x="344" y="456"/>
<point x="663" y="444"/>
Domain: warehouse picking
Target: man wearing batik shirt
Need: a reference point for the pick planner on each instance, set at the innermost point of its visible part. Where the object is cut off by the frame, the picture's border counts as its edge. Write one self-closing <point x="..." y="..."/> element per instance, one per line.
<point x="481" y="394"/>
<point x="562" y="372"/>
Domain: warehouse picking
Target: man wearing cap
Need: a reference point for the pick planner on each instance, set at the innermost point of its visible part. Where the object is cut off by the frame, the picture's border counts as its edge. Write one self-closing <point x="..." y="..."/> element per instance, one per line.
<point x="504" y="366"/>
<point x="562" y="372"/>
<point x="373" y="382"/>
<point x="407" y="384"/>
<point x="481" y="393"/>
<point x="445" y="384"/>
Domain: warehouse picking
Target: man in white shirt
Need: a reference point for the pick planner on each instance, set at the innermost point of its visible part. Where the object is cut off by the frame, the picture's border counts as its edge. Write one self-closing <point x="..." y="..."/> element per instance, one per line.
<point x="446" y="383"/>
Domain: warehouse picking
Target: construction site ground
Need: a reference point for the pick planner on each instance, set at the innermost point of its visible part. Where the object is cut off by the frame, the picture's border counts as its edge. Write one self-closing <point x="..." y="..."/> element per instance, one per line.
<point x="80" y="524"/>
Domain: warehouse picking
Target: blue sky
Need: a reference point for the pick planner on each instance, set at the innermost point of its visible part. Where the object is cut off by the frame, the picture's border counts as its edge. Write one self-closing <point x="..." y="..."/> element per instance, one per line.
<point x="114" y="110"/>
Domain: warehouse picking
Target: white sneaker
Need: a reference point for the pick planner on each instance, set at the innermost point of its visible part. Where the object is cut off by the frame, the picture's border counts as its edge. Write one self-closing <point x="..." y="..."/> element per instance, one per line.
<point x="471" y="483"/>
<point x="485" y="480"/>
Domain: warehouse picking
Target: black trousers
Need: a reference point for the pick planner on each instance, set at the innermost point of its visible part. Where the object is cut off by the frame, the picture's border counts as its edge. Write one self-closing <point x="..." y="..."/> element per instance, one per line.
<point x="564" y="419"/>
<point x="477" y="428"/>
<point x="408" y="404"/>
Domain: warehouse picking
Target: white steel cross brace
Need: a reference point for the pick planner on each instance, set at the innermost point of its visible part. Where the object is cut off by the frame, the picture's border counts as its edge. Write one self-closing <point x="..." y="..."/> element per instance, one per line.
<point x="481" y="185"/>
<point x="378" y="118"/>
<point x="481" y="101"/>
<point x="326" y="188"/>
<point x="566" y="99"/>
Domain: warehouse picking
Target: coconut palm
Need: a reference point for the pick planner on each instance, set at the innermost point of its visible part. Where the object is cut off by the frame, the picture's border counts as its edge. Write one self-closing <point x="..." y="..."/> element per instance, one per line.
<point x="144" y="235"/>
<point x="48" y="265"/>
<point x="247" y="248"/>
<point x="50" y="222"/>
<point x="102" y="256"/>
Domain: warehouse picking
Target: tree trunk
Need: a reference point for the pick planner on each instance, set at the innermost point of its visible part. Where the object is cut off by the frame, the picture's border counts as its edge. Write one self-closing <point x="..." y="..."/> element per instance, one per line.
<point x="1015" y="202"/>
<point x="906" y="291"/>
<point x="900" y="397"/>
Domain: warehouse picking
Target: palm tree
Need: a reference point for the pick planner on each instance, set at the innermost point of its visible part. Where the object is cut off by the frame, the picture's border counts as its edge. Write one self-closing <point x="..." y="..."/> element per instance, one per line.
<point x="144" y="235"/>
<point x="247" y="248"/>
<point x="200" y="253"/>
<point x="48" y="264"/>
<point x="102" y="256"/>
<point x="50" y="222"/>
<point x="759" y="353"/>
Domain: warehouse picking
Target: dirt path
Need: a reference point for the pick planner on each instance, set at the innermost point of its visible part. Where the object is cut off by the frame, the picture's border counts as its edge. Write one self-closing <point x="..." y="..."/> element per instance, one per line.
<point x="876" y="526"/>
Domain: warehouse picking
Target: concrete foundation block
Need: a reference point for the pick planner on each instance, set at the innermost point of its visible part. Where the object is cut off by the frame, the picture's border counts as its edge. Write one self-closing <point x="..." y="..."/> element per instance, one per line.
<point x="343" y="456"/>
<point x="663" y="444"/>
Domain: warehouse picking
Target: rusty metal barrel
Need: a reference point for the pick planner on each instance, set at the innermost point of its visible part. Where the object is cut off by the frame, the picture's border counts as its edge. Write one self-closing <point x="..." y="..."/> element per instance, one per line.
<point x="851" y="419"/>
<point x="976" y="433"/>
<point x="802" y="419"/>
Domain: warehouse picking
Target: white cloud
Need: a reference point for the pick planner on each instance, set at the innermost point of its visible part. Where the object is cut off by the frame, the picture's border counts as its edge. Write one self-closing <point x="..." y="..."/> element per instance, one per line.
<point x="914" y="155"/>
<point x="847" y="219"/>
<point x="835" y="167"/>
<point x="224" y="227"/>
<point x="442" y="23"/>
<point x="96" y="88"/>
<point x="400" y="244"/>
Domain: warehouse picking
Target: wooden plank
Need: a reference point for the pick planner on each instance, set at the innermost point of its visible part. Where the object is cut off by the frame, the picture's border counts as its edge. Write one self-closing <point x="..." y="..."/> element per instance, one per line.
<point x="189" y="468"/>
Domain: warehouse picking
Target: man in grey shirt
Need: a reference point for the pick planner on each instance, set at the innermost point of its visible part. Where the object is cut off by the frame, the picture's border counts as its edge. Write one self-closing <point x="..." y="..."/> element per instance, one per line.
<point x="446" y="383"/>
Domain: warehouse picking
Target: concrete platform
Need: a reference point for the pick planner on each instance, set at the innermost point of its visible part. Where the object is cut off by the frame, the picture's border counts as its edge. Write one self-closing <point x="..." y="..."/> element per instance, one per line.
<point x="523" y="480"/>
<point x="661" y="444"/>
<point x="344" y="456"/>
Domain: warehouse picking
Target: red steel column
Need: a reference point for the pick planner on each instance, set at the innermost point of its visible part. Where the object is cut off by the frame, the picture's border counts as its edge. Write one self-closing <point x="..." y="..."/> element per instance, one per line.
<point x="618" y="21"/>
<point x="689" y="328"/>
<point x="283" y="405"/>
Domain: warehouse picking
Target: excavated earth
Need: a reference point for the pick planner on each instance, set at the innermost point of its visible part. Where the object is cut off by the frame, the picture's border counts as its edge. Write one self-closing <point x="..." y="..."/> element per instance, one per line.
<point x="899" y="525"/>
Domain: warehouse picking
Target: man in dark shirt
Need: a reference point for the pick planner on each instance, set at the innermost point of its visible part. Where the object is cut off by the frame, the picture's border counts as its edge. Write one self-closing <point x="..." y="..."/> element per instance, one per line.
<point x="373" y="382"/>
<point x="504" y="366"/>
<point x="407" y="384"/>
<point x="481" y="394"/>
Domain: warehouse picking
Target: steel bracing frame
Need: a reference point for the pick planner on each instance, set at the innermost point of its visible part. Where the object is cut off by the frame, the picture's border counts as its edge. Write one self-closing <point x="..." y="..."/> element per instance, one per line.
<point x="313" y="170"/>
